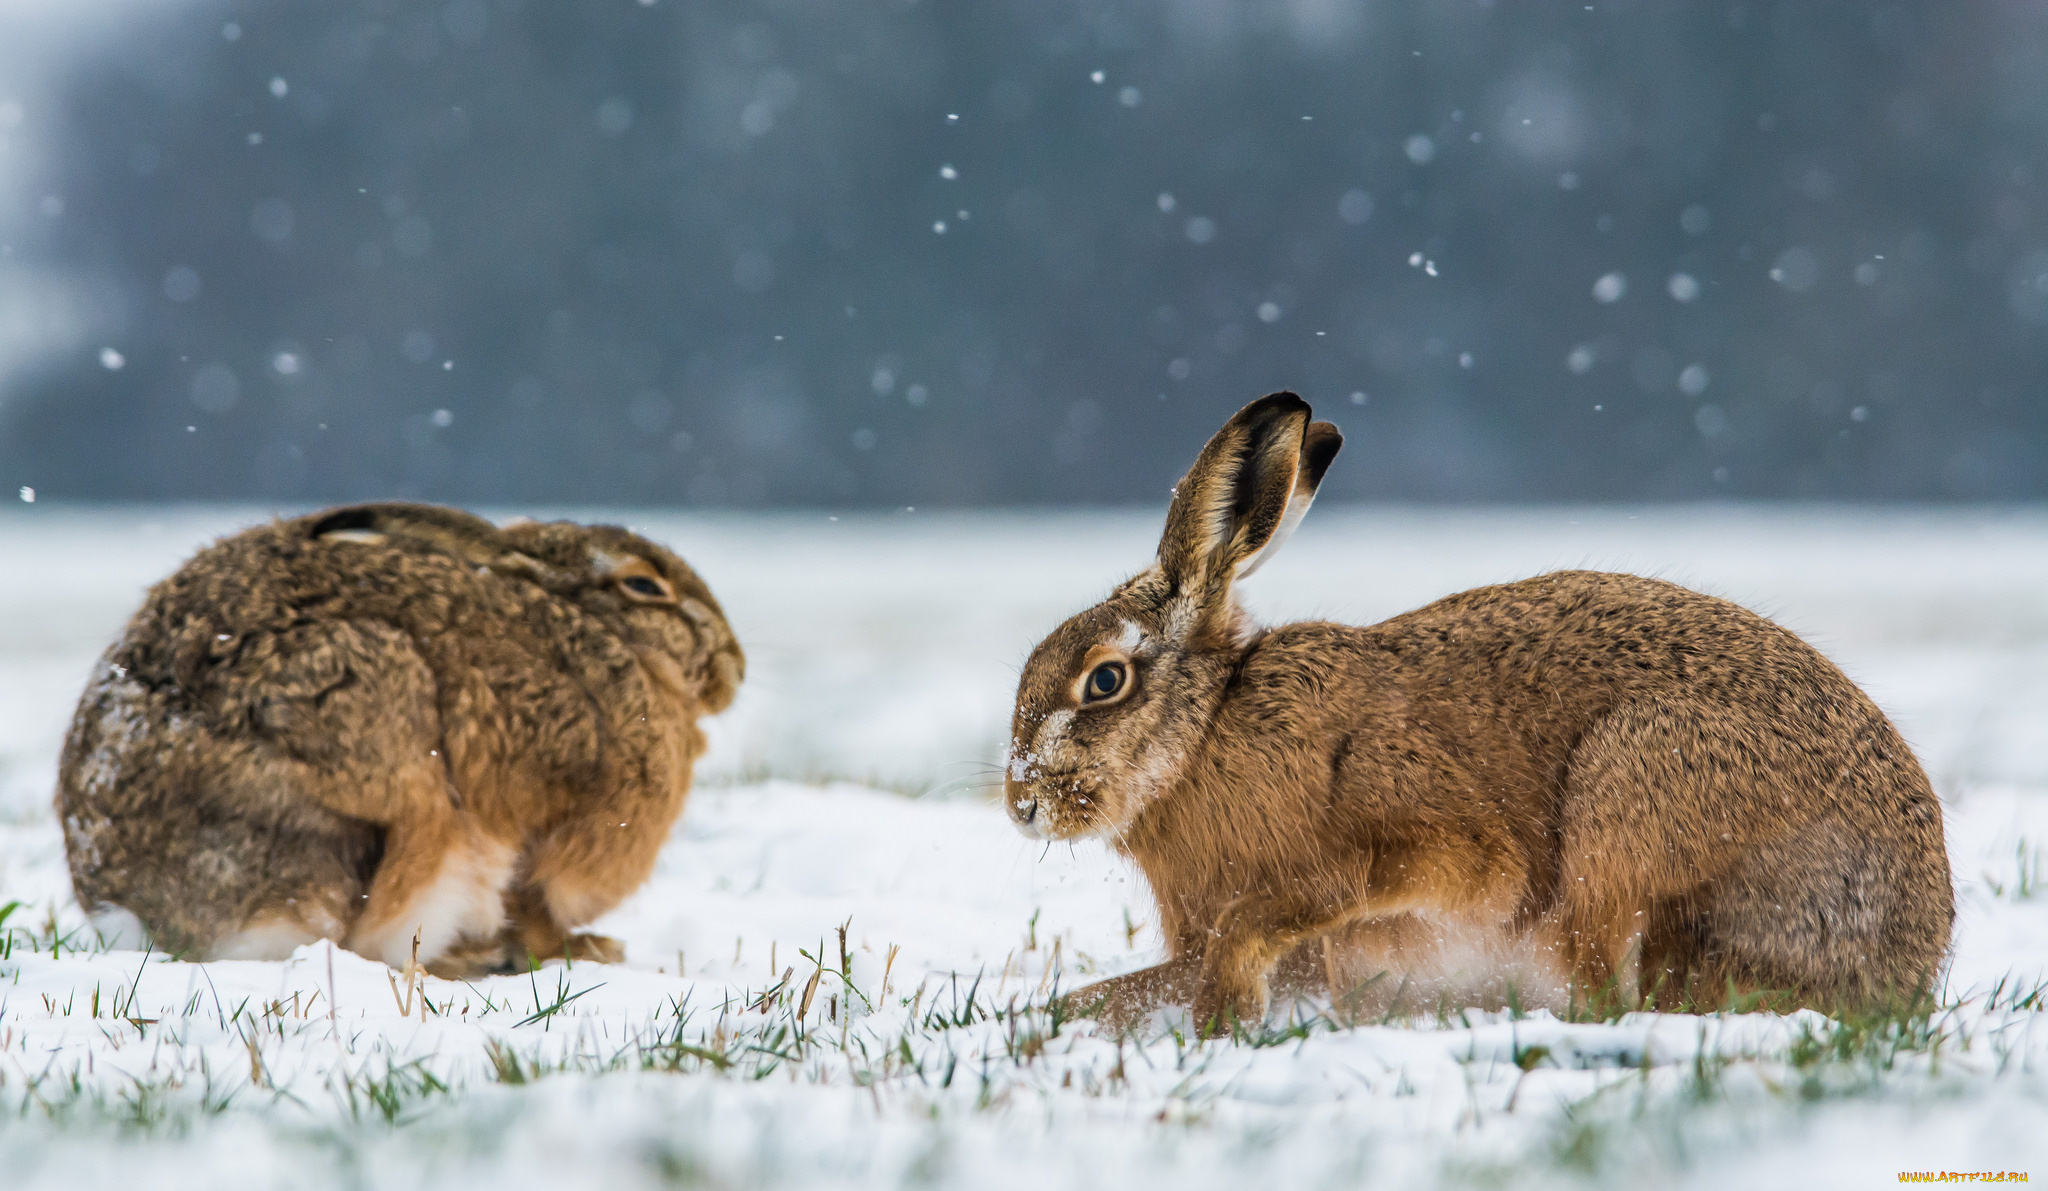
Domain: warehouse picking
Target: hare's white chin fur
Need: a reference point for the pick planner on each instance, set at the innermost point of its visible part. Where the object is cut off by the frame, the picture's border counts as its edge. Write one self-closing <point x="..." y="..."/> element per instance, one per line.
<point x="466" y="899"/>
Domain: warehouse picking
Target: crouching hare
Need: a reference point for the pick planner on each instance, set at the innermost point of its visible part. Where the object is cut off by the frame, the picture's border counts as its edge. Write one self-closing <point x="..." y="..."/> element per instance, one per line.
<point x="393" y="721"/>
<point x="1601" y="785"/>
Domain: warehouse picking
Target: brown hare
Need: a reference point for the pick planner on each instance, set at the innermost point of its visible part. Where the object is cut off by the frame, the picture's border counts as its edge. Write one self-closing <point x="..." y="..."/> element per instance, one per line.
<point x="1607" y="785"/>
<point x="394" y="720"/>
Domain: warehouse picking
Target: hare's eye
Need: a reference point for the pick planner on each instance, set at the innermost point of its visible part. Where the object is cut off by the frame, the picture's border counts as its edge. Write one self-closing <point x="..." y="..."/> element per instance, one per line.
<point x="653" y="589"/>
<point x="1106" y="680"/>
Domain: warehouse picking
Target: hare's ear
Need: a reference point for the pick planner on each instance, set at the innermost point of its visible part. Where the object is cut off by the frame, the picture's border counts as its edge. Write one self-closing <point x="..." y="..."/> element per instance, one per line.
<point x="1318" y="447"/>
<point x="446" y="531"/>
<point x="358" y="524"/>
<point x="1246" y="492"/>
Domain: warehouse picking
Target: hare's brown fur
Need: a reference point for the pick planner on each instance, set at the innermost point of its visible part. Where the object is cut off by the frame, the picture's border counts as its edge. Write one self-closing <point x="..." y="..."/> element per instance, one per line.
<point x="394" y="720"/>
<point x="1645" y="791"/>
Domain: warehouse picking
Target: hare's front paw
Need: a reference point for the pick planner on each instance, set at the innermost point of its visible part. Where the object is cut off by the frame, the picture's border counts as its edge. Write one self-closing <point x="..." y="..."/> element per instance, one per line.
<point x="471" y="958"/>
<point x="1121" y="1002"/>
<point x="596" y="949"/>
<point x="1100" y="1001"/>
<point x="1219" y="1006"/>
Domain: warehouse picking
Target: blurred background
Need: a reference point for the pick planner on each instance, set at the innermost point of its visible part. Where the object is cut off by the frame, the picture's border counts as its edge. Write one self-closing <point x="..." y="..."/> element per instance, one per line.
<point x="718" y="253"/>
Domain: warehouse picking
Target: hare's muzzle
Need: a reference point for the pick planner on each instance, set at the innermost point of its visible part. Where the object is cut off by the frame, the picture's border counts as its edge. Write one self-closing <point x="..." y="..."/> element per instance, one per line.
<point x="727" y="670"/>
<point x="1025" y="809"/>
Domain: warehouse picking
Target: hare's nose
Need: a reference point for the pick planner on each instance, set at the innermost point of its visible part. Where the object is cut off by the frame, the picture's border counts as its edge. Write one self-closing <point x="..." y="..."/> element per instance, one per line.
<point x="1022" y="805"/>
<point x="1025" y="812"/>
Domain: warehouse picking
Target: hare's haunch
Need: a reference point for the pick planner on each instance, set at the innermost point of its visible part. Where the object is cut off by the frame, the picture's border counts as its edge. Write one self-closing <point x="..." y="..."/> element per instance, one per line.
<point x="1588" y="785"/>
<point x="394" y="722"/>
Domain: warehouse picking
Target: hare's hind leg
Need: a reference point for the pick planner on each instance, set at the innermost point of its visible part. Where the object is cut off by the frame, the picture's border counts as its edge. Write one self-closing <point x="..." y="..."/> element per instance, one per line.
<point x="249" y="888"/>
<point x="1815" y="918"/>
<point x="1849" y="906"/>
<point x="215" y="861"/>
<point x="1711" y="850"/>
<point x="256" y="890"/>
<point x="309" y="865"/>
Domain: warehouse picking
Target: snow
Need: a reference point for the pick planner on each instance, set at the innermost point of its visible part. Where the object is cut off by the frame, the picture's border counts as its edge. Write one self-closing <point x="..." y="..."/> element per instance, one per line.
<point x="848" y="787"/>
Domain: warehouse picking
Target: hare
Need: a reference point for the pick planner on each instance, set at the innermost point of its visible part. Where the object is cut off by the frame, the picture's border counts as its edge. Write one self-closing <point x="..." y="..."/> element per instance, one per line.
<point x="1626" y="788"/>
<point x="394" y="722"/>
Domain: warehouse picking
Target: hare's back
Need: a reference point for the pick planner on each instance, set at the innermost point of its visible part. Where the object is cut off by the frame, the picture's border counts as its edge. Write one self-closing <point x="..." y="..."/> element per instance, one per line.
<point x="1667" y="687"/>
<point x="1518" y="677"/>
<point x="276" y="576"/>
<point x="1584" y="639"/>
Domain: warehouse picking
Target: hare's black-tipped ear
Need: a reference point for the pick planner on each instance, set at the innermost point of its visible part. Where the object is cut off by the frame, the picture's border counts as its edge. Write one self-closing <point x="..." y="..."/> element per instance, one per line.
<point x="448" y="531"/>
<point x="1246" y="491"/>
<point x="1318" y="447"/>
<point x="348" y="525"/>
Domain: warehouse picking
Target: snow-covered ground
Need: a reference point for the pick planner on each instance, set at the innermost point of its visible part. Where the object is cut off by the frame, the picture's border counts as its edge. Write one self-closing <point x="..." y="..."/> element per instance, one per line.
<point x="743" y="1044"/>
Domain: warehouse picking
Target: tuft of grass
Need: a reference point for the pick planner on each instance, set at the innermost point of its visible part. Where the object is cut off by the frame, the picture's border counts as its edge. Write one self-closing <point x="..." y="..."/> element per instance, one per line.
<point x="563" y="997"/>
<point x="1852" y="1053"/>
<point x="2029" y="874"/>
<point x="394" y="1095"/>
<point x="49" y="938"/>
